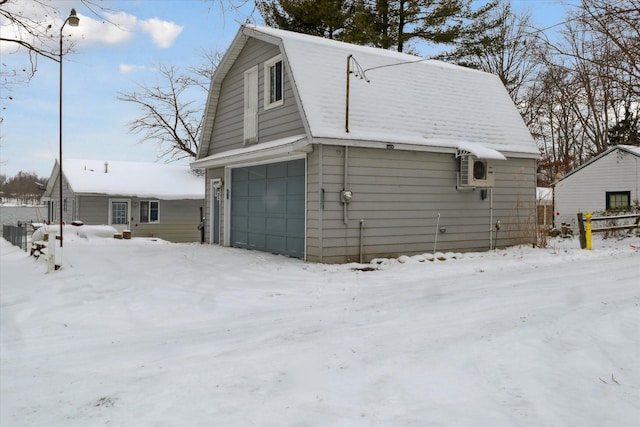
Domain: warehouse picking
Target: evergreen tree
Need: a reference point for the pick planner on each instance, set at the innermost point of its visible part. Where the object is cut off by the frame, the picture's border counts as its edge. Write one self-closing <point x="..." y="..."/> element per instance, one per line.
<point x="323" y="18"/>
<point x="625" y="131"/>
<point x="388" y="24"/>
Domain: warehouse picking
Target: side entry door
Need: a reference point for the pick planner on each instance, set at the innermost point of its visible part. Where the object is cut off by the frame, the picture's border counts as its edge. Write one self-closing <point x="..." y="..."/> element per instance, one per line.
<point x="216" y="195"/>
<point x="119" y="214"/>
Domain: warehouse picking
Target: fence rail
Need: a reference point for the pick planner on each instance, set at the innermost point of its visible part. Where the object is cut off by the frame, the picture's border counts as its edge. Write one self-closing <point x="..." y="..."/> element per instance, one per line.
<point x="16" y="235"/>
<point x="586" y="228"/>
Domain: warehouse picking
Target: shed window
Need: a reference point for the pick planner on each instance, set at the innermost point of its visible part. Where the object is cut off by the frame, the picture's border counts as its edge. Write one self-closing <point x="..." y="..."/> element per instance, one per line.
<point x="273" y="82"/>
<point x="149" y="211"/>
<point x="618" y="199"/>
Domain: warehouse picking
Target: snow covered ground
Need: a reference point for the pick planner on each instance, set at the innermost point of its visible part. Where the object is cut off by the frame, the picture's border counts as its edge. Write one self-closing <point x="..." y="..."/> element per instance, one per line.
<point x="148" y="333"/>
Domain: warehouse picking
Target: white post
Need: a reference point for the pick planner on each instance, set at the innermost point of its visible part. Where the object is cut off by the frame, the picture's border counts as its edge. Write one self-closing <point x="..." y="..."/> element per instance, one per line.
<point x="51" y="251"/>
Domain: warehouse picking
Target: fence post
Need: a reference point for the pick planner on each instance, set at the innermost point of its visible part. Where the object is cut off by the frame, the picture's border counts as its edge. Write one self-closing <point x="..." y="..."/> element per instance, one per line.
<point x="588" y="231"/>
<point x="581" y="230"/>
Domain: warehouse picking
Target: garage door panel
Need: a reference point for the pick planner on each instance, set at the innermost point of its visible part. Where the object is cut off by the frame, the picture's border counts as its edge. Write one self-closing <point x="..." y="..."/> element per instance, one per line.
<point x="256" y="224"/>
<point x="256" y="206"/>
<point x="277" y="170"/>
<point x="268" y="212"/>
<point x="295" y="169"/>
<point x="240" y="207"/>
<point x="276" y="206"/>
<point x="277" y="226"/>
<point x="276" y="242"/>
<point x="241" y="188"/>
<point x="257" y="188"/>
<point x="295" y="208"/>
<point x="293" y="224"/>
<point x="295" y="188"/>
<point x="240" y="175"/>
<point x="277" y="188"/>
<point x="240" y="239"/>
<point x="257" y="173"/>
<point x="256" y="241"/>
<point x="295" y="245"/>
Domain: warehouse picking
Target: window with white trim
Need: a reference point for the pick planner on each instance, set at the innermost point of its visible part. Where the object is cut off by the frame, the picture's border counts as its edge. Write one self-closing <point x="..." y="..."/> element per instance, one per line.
<point x="149" y="211"/>
<point x="273" y="82"/>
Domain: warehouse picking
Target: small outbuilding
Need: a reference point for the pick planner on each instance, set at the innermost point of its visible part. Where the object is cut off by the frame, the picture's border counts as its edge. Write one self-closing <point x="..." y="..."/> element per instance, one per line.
<point x="147" y="199"/>
<point x="609" y="181"/>
<point x="333" y="152"/>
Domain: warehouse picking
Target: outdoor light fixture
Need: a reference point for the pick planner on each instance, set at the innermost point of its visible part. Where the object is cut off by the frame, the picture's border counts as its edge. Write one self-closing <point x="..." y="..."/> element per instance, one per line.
<point x="73" y="20"/>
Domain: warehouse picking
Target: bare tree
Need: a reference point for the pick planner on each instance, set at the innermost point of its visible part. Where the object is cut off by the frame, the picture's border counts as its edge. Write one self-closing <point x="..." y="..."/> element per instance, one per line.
<point x="618" y="24"/>
<point x="586" y="97"/>
<point x="27" y="26"/>
<point x="511" y="55"/>
<point x="172" y="109"/>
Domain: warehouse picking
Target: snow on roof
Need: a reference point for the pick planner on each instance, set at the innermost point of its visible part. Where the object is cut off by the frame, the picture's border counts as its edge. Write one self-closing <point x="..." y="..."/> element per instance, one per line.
<point x="402" y="99"/>
<point x="140" y="179"/>
<point x="631" y="149"/>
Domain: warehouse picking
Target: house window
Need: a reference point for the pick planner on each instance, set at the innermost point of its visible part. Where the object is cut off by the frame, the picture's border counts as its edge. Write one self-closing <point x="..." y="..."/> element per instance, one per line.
<point x="251" y="106"/>
<point x="273" y="83"/>
<point x="618" y="199"/>
<point x="149" y="211"/>
<point x="64" y="205"/>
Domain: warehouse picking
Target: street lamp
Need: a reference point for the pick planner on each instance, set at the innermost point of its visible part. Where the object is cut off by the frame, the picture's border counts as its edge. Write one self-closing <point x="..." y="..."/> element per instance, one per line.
<point x="73" y="20"/>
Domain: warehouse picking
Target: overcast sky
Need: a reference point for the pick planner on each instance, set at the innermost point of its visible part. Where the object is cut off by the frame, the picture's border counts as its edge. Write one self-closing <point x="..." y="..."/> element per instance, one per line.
<point x="109" y="59"/>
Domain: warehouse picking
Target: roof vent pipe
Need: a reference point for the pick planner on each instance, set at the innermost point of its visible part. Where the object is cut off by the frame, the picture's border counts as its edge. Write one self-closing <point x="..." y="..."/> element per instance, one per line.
<point x="106" y="167"/>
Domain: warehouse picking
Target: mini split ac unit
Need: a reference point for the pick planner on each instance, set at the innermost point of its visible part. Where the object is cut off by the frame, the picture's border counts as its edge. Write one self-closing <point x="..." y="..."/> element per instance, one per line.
<point x="475" y="172"/>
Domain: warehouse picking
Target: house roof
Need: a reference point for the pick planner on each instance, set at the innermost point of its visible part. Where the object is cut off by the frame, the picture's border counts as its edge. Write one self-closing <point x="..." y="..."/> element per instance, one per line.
<point x="393" y="97"/>
<point x="134" y="179"/>
<point x="630" y="149"/>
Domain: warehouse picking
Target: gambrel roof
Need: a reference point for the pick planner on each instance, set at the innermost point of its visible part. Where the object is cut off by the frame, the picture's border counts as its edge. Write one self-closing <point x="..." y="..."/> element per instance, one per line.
<point x="394" y="98"/>
<point x="134" y="179"/>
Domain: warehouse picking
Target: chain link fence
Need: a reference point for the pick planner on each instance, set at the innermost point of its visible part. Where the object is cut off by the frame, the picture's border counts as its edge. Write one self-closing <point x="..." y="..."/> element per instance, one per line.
<point x="16" y="235"/>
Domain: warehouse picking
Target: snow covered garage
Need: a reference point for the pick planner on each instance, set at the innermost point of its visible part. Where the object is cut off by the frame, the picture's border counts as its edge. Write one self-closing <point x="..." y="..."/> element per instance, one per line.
<point x="333" y="152"/>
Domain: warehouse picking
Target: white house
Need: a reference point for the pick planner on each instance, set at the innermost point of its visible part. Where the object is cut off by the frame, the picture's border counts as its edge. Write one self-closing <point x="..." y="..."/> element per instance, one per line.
<point x="608" y="181"/>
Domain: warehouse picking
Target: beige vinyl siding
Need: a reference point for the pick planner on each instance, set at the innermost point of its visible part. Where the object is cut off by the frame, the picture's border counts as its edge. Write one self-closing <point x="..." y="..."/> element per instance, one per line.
<point x="178" y="223"/>
<point x="275" y="123"/>
<point x="399" y="195"/>
<point x="179" y="219"/>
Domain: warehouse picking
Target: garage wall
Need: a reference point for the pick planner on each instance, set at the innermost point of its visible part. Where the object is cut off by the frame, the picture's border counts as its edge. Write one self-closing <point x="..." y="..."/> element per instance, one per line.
<point x="399" y="195"/>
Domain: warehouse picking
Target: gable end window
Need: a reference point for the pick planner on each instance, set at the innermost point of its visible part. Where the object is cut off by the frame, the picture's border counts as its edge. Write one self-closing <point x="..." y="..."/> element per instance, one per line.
<point x="273" y="82"/>
<point x="618" y="199"/>
<point x="149" y="211"/>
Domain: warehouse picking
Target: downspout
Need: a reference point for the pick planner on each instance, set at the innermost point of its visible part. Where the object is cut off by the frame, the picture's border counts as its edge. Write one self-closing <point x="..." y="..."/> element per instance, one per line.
<point x="321" y="204"/>
<point x="346" y="175"/>
<point x="361" y="240"/>
<point x="490" y="218"/>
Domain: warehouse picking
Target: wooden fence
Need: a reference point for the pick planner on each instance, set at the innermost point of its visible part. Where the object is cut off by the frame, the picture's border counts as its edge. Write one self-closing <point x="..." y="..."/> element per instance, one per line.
<point x="586" y="227"/>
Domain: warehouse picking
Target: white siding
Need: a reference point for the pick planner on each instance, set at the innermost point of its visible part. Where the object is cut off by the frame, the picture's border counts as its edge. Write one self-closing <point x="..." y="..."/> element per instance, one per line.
<point x="585" y="189"/>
